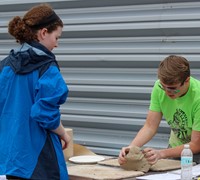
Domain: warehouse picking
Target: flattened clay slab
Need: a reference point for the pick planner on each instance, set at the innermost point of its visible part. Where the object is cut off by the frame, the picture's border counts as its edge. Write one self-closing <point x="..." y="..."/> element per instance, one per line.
<point x="161" y="165"/>
<point x="98" y="172"/>
<point x="166" y="164"/>
<point x="110" y="162"/>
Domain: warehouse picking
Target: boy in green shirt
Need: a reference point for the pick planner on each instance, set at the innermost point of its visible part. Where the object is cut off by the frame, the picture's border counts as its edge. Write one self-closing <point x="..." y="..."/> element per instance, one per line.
<point x="176" y="97"/>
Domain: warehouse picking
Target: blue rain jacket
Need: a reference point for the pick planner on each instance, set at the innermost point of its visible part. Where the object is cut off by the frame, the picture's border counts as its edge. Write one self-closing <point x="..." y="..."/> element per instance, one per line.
<point x="31" y="92"/>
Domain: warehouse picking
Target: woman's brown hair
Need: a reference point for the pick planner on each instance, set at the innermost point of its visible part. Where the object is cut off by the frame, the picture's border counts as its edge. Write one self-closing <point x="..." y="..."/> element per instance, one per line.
<point x="38" y="17"/>
<point x="173" y="69"/>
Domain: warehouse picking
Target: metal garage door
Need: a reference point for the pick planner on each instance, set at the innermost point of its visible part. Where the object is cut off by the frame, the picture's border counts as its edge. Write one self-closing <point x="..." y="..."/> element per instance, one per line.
<point x="109" y="54"/>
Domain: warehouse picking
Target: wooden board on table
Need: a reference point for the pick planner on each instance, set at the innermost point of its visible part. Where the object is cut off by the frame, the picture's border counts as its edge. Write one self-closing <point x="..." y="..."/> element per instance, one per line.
<point x="98" y="172"/>
<point x="161" y="165"/>
<point x="165" y="165"/>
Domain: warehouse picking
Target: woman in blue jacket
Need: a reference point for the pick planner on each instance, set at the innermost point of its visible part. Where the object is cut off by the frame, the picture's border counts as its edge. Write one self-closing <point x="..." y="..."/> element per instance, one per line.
<point x="32" y="90"/>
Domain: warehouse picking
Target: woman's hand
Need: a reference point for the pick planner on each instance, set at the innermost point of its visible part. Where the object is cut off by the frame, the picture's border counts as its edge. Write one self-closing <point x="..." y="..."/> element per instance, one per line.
<point x="62" y="133"/>
<point x="66" y="139"/>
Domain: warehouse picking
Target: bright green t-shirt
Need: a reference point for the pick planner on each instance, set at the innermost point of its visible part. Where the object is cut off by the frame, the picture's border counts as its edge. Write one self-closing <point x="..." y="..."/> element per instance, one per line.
<point x="182" y="114"/>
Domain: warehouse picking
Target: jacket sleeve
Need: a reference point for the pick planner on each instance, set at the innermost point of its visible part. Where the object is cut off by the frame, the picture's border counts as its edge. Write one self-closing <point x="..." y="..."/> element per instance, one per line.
<point x="51" y="92"/>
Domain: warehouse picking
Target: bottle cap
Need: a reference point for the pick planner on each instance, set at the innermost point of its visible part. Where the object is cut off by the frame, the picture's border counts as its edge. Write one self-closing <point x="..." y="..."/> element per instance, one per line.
<point x="186" y="145"/>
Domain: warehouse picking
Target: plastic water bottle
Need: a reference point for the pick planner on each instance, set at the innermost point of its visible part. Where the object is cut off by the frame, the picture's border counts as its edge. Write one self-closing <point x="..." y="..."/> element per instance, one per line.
<point x="186" y="163"/>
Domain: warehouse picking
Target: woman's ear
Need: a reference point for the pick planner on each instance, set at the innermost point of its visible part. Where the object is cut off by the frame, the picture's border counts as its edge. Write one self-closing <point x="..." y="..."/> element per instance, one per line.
<point x="42" y="34"/>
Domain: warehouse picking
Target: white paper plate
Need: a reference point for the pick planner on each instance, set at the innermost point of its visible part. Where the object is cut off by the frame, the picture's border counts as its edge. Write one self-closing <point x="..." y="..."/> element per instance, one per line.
<point x="86" y="159"/>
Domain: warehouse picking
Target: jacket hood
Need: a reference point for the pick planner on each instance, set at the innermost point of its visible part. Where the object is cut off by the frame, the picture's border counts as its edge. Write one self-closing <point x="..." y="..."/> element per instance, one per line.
<point x="29" y="57"/>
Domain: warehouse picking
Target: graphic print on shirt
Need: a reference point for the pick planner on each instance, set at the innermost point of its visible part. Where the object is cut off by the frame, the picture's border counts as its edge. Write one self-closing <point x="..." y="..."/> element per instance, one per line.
<point x="179" y="124"/>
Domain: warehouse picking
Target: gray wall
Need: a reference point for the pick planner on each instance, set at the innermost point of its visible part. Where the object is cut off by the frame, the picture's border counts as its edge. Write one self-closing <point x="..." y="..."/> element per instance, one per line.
<point x="109" y="53"/>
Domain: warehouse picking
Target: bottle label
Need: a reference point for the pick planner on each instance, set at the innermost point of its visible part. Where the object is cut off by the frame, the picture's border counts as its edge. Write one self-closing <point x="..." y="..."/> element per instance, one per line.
<point x="186" y="160"/>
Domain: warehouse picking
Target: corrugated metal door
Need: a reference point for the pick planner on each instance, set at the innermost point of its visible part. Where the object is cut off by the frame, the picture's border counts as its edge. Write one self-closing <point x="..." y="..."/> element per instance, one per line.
<point x="109" y="53"/>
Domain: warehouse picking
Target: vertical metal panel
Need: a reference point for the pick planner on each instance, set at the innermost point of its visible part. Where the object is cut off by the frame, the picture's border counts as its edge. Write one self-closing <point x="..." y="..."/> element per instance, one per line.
<point x="109" y="53"/>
